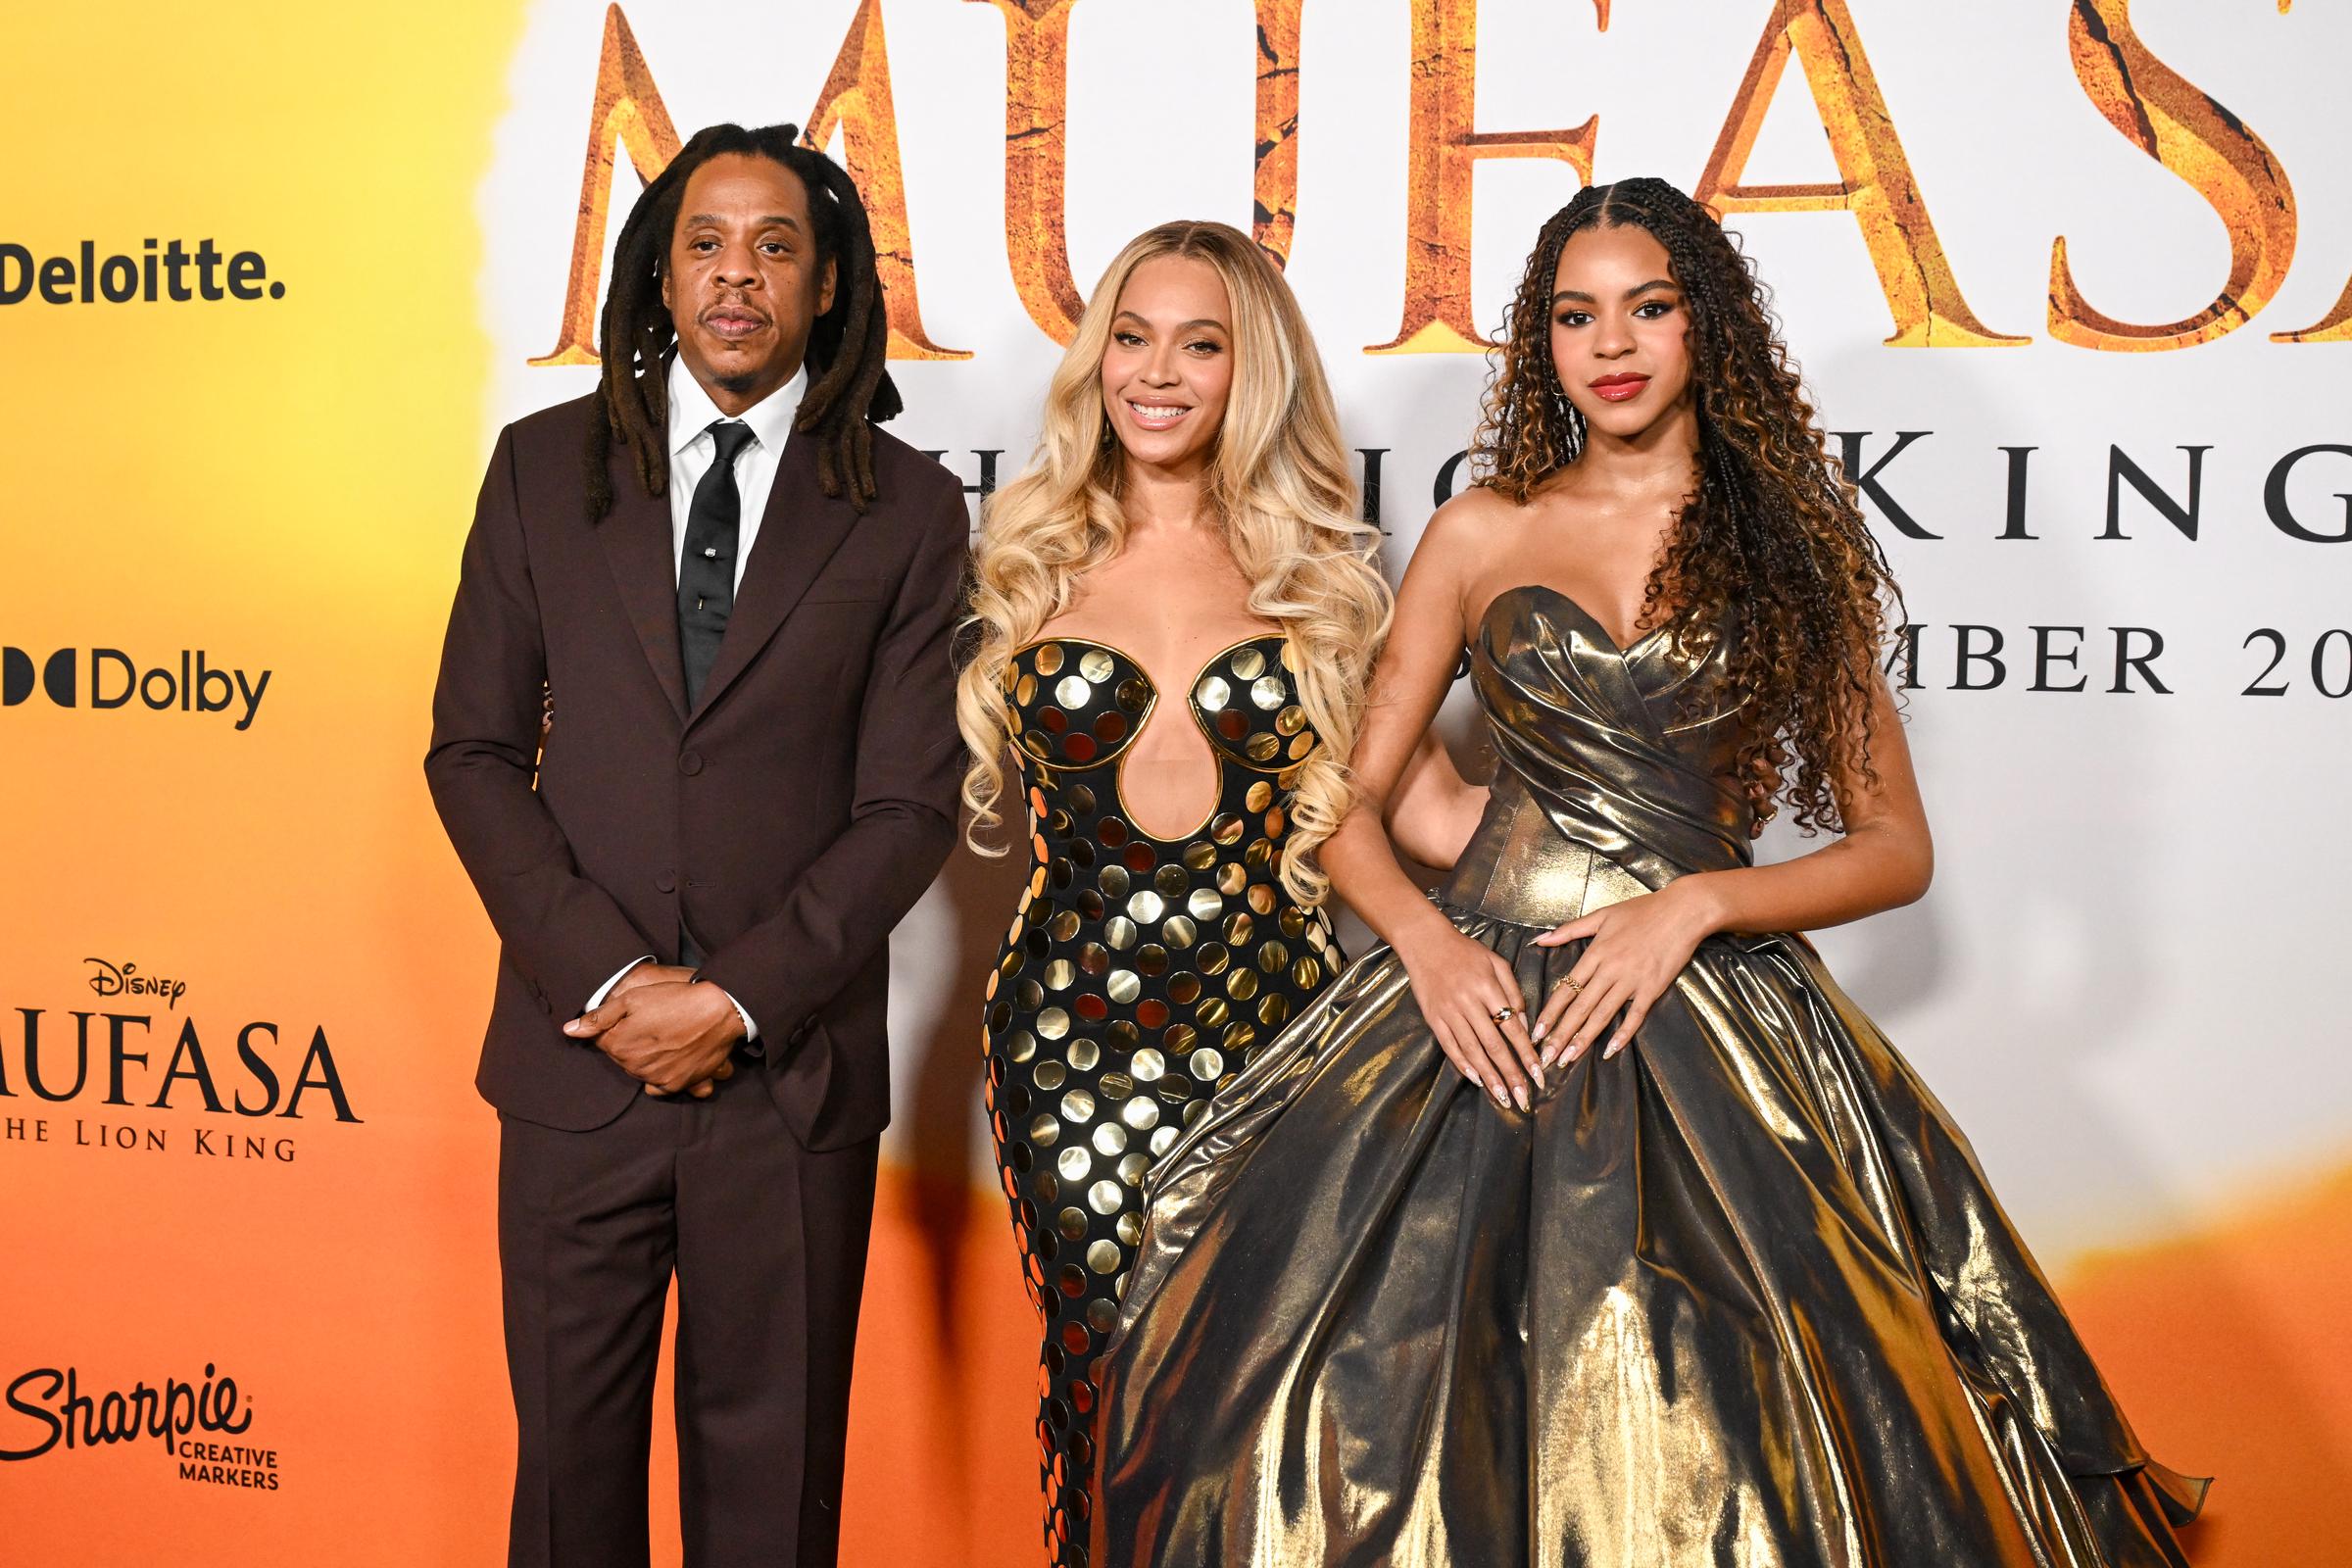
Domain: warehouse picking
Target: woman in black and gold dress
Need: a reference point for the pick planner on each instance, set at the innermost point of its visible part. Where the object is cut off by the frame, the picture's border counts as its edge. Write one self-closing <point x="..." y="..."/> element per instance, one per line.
<point x="1175" y="612"/>
<point x="1587" y="1221"/>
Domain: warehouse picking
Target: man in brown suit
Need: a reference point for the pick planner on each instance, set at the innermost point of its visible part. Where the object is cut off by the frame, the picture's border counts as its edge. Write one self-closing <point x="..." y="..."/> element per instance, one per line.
<point x="735" y="598"/>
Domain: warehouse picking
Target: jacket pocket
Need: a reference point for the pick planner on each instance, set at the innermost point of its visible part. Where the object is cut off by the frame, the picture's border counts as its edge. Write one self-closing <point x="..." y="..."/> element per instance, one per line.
<point x="848" y="591"/>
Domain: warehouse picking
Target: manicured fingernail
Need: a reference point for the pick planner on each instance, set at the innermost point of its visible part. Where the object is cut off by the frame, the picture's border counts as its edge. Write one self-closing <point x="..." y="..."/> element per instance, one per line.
<point x="1519" y="1094"/>
<point x="1538" y="1036"/>
<point x="1540" y="1065"/>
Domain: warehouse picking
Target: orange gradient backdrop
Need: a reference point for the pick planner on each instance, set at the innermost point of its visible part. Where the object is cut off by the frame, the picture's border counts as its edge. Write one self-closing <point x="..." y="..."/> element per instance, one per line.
<point x="284" y="484"/>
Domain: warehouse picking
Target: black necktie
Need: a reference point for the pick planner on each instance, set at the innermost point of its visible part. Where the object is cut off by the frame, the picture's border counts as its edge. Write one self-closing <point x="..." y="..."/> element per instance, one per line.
<point x="707" y="571"/>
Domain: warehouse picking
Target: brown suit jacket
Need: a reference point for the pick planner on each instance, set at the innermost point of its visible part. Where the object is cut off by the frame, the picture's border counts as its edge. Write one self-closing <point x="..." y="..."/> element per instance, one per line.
<point x="788" y="821"/>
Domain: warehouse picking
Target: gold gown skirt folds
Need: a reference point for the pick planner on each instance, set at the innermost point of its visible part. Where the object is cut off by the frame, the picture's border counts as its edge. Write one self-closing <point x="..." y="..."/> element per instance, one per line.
<point x="1738" y="1296"/>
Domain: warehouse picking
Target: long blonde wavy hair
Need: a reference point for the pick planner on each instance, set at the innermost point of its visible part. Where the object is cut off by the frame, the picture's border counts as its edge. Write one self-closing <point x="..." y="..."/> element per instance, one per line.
<point x="1282" y="498"/>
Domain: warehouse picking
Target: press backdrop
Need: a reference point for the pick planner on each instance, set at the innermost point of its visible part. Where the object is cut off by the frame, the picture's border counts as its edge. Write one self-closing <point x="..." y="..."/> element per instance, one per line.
<point x="2070" y="283"/>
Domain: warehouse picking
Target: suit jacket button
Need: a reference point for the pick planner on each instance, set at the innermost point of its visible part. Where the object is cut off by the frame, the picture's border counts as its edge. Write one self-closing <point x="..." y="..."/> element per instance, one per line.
<point x="690" y="763"/>
<point x="665" y="882"/>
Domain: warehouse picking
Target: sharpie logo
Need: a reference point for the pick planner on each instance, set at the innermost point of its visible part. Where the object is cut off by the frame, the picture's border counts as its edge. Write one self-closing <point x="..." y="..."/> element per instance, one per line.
<point x="50" y="1407"/>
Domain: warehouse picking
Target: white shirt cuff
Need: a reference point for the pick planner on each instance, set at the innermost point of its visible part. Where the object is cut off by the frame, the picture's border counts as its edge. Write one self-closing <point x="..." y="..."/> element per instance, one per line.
<point x="750" y="1030"/>
<point x="605" y="990"/>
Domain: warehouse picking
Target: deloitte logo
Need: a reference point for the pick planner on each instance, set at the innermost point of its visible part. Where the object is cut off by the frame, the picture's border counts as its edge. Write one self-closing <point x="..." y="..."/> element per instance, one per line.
<point x="107" y="678"/>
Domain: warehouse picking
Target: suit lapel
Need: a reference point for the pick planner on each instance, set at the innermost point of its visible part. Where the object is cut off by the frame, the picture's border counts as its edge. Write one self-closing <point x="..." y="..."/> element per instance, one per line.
<point x="636" y="540"/>
<point x="799" y="532"/>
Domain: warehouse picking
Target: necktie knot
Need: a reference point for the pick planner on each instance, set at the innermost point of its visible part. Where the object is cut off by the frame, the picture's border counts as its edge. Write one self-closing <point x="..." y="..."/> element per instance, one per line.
<point x="732" y="436"/>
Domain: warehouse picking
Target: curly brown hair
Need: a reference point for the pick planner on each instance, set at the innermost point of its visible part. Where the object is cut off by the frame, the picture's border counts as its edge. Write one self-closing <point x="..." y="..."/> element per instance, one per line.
<point x="1770" y="549"/>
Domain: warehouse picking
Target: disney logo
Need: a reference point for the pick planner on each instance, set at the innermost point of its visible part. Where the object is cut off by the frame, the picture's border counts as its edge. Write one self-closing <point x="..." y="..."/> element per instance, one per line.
<point x="124" y="980"/>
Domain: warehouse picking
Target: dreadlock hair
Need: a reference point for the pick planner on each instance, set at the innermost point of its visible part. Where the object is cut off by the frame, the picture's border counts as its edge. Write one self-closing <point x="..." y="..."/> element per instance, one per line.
<point x="848" y="386"/>
<point x="1769" y="547"/>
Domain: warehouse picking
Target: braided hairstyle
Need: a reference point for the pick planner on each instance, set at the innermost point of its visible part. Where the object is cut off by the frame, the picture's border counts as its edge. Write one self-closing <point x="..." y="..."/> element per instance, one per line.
<point x="1770" y="549"/>
<point x="848" y="386"/>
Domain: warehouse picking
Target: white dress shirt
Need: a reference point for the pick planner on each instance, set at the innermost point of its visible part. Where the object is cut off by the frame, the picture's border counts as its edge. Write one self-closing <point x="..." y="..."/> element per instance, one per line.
<point x="691" y="449"/>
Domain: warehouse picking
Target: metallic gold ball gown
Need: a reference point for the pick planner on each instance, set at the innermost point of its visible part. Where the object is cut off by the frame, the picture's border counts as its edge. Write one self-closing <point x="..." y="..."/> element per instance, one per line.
<point x="1138" y="976"/>
<point x="1738" y="1296"/>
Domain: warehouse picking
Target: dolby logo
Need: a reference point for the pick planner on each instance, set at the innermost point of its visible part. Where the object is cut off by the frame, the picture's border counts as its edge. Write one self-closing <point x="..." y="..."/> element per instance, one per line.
<point x="105" y="678"/>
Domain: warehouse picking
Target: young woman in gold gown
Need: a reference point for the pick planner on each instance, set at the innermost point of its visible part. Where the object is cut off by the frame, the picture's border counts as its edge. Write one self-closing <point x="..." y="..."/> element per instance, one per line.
<point x="1588" y="1221"/>
<point x="1175" y="616"/>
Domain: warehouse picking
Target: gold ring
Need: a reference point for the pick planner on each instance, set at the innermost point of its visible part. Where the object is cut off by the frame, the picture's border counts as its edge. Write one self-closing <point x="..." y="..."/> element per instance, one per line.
<point x="1570" y="983"/>
<point x="1505" y="1014"/>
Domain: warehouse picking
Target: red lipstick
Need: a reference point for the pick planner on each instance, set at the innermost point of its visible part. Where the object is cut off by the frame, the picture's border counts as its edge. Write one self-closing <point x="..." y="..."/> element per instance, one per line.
<point x="1619" y="388"/>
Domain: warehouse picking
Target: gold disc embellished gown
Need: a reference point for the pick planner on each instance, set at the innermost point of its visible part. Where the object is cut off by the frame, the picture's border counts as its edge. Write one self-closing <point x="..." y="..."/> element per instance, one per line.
<point x="1139" y="973"/>
<point x="1738" y="1296"/>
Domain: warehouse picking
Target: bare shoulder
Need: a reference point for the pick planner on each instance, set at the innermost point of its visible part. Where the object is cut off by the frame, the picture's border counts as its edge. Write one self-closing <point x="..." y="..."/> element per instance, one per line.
<point x="1471" y="519"/>
<point x="1462" y="537"/>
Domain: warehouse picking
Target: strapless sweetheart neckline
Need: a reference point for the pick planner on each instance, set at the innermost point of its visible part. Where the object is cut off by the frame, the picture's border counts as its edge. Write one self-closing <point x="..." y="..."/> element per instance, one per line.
<point x="1143" y="670"/>
<point x="1593" y="622"/>
<point x="1236" y="690"/>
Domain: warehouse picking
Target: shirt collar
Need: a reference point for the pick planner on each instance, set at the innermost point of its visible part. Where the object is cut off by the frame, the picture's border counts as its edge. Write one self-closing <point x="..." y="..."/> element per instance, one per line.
<point x="691" y="411"/>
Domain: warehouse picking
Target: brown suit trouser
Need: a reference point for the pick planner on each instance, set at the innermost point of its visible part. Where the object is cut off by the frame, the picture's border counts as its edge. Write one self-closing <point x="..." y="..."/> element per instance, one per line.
<point x="768" y="1242"/>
